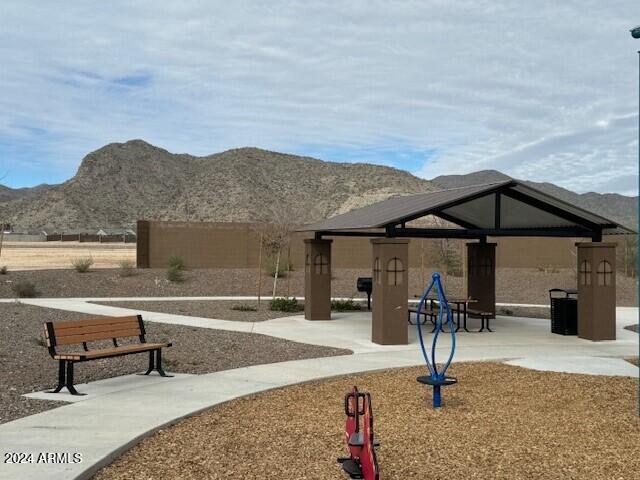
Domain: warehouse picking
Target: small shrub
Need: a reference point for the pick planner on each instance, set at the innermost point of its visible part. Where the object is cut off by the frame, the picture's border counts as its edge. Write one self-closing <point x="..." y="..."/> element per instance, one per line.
<point x="24" y="289"/>
<point x="41" y="342"/>
<point x="285" y="304"/>
<point x="282" y="267"/>
<point x="244" y="307"/>
<point x="4" y="270"/>
<point x="177" y="263"/>
<point x="345" y="305"/>
<point x="127" y="268"/>
<point x="82" y="265"/>
<point x="175" y="275"/>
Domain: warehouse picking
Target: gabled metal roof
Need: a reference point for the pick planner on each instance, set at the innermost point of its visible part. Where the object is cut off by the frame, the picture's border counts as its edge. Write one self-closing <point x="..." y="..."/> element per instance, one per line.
<point x="489" y="209"/>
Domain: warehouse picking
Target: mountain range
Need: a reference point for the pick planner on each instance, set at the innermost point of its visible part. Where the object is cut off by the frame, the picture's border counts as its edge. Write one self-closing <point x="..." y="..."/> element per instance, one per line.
<point x="123" y="182"/>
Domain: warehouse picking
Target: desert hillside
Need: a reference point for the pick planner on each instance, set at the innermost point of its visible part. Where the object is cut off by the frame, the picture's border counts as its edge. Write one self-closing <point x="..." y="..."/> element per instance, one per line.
<point x="123" y="182"/>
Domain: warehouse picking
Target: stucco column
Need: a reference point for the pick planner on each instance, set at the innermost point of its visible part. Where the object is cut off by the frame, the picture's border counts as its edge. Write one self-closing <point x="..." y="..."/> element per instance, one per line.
<point x="142" y="244"/>
<point x="390" y="291"/>
<point x="481" y="276"/>
<point x="597" y="290"/>
<point x="317" y="279"/>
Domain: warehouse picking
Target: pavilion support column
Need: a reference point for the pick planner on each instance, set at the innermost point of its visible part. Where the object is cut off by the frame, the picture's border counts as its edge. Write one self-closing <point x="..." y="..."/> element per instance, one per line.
<point x="597" y="290"/>
<point x="390" y="291"/>
<point x="481" y="276"/>
<point x="317" y="279"/>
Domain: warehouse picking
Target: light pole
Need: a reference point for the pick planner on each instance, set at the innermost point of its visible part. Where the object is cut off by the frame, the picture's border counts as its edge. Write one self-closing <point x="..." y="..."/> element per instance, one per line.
<point x="635" y="33"/>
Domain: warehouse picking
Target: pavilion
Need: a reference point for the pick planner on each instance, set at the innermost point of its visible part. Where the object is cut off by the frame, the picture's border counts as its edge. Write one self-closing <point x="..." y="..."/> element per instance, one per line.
<point x="504" y="209"/>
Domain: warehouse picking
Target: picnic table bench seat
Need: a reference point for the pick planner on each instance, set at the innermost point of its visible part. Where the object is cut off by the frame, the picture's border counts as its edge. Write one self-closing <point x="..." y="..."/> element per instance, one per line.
<point x="81" y="332"/>
<point x="484" y="318"/>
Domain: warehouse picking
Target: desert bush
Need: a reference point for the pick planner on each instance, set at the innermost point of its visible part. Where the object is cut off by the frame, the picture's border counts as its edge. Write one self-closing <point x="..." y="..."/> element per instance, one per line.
<point x="24" y="289"/>
<point x="41" y="342"/>
<point x="345" y="305"/>
<point x="245" y="307"/>
<point x="175" y="275"/>
<point x="177" y="263"/>
<point x="83" y="264"/>
<point x="4" y="270"/>
<point x="285" y="304"/>
<point x="127" y="268"/>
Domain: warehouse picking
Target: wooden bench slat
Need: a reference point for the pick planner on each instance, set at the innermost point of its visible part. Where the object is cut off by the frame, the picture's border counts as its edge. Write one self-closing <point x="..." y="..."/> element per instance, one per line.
<point x="108" y="352"/>
<point x="91" y="337"/>
<point x="67" y="332"/>
<point x="93" y="321"/>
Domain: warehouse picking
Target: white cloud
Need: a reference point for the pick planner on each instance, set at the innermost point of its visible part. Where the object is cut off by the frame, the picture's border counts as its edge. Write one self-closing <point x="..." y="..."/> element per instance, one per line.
<point x="542" y="90"/>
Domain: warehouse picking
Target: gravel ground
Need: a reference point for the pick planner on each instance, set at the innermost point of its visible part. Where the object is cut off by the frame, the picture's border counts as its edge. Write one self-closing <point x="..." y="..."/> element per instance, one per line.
<point x="512" y="285"/>
<point x="499" y="422"/>
<point x="207" y="309"/>
<point x="27" y="366"/>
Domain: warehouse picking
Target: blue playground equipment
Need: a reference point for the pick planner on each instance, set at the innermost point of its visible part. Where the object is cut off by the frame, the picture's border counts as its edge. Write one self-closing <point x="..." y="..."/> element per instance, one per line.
<point x="436" y="379"/>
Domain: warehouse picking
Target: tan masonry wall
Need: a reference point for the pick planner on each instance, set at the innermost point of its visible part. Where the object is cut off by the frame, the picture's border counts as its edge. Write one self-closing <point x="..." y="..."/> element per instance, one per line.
<point x="236" y="245"/>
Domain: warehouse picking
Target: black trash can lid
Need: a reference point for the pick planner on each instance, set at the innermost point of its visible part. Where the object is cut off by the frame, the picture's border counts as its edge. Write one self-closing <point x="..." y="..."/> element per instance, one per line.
<point x="566" y="291"/>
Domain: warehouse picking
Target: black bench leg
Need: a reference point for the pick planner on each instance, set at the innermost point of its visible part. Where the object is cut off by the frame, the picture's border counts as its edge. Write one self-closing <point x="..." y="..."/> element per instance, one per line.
<point x="159" y="364"/>
<point x="152" y="363"/>
<point x="69" y="382"/>
<point x="488" y="318"/>
<point x="65" y="378"/>
<point x="61" y="376"/>
<point x="481" y="324"/>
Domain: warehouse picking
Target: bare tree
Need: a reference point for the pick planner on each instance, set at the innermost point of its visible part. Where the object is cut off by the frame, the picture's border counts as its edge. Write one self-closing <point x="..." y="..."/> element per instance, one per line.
<point x="277" y="240"/>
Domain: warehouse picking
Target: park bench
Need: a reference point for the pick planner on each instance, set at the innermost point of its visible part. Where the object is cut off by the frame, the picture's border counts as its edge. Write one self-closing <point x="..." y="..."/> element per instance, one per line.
<point x="427" y="314"/>
<point x="81" y="332"/>
<point x="484" y="318"/>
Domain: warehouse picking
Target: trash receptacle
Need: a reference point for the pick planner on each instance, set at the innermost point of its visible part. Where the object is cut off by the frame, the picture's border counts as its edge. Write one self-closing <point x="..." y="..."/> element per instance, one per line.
<point x="564" y="311"/>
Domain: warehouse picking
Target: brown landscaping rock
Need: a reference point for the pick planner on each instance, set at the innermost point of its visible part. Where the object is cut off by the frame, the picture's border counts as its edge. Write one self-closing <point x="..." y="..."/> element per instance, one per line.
<point x="499" y="422"/>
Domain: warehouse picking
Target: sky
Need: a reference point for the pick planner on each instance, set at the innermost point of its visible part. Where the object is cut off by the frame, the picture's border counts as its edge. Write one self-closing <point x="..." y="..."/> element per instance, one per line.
<point x="540" y="90"/>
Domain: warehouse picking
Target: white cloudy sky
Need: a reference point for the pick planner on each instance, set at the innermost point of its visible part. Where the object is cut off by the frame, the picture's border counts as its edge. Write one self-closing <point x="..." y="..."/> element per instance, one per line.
<point x="543" y="90"/>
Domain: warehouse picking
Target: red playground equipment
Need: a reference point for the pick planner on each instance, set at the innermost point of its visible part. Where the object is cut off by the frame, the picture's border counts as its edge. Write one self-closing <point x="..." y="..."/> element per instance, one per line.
<point x="358" y="436"/>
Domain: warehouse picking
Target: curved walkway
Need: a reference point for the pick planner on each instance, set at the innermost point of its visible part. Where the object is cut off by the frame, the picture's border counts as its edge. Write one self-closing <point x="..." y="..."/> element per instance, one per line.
<point x="103" y="427"/>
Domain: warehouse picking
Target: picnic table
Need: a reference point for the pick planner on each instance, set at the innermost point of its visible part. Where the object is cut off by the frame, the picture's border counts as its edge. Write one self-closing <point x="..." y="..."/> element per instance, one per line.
<point x="459" y="305"/>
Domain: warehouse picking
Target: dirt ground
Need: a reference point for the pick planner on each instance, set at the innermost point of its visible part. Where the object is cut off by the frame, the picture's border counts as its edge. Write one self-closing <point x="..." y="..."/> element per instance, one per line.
<point x="512" y="285"/>
<point x="46" y="255"/>
<point x="499" y="422"/>
<point x="27" y="366"/>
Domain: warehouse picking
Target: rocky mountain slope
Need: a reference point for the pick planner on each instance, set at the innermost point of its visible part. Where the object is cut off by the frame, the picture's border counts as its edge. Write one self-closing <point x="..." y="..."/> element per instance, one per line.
<point x="617" y="207"/>
<point x="123" y="182"/>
